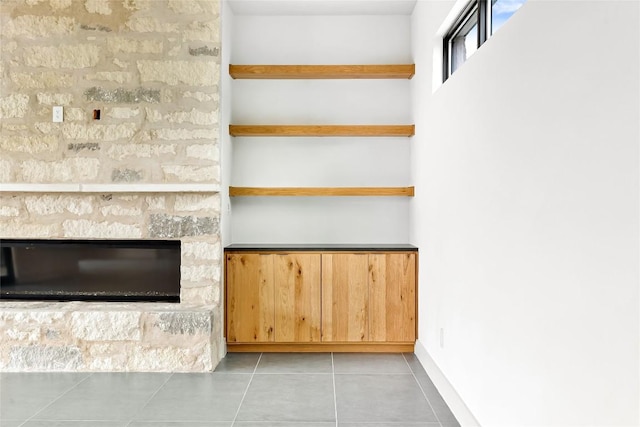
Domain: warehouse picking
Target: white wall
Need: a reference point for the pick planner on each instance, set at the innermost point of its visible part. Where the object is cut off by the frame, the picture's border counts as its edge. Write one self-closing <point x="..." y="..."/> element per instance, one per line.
<point x="302" y="162"/>
<point x="526" y="166"/>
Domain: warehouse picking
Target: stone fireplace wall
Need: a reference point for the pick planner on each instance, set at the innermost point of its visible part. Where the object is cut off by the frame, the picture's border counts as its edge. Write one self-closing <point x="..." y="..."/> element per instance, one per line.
<point x="147" y="169"/>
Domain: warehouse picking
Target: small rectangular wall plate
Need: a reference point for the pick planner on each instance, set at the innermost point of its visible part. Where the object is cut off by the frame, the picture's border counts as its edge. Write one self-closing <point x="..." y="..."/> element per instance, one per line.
<point x="58" y="114"/>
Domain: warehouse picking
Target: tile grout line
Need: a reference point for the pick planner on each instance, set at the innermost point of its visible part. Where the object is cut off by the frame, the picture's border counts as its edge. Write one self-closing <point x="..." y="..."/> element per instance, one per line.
<point x="149" y="399"/>
<point x="56" y="399"/>
<point x="335" y="397"/>
<point x="421" y="389"/>
<point x="246" y="390"/>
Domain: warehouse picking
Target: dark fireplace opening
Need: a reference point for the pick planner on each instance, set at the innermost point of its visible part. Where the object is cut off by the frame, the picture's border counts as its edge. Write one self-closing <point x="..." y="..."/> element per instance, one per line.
<point x="90" y="270"/>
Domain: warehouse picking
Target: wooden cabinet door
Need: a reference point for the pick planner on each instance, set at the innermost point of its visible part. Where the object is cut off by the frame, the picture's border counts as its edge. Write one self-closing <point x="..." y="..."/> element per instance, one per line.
<point x="345" y="297"/>
<point x="250" y="298"/>
<point x="392" y="293"/>
<point x="297" y="304"/>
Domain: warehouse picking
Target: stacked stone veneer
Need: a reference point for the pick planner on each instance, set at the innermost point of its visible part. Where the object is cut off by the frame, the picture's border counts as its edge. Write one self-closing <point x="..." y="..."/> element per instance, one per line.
<point x="152" y="68"/>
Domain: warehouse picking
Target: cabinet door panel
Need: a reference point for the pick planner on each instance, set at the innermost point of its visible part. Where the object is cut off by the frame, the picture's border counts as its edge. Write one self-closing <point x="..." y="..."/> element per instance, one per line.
<point x="297" y="305"/>
<point x="345" y="297"/>
<point x="392" y="284"/>
<point x="250" y="298"/>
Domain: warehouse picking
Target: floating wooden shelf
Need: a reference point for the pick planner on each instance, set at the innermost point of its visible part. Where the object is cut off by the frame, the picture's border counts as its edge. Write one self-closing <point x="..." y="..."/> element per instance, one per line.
<point x="392" y="71"/>
<point x="322" y="130"/>
<point x="321" y="191"/>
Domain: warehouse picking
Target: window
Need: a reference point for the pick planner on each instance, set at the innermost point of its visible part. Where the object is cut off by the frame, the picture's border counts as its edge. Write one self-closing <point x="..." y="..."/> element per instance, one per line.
<point x="474" y="26"/>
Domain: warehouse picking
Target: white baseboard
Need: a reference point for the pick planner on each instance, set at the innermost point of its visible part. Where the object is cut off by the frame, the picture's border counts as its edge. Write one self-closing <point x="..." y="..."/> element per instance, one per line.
<point x="448" y="393"/>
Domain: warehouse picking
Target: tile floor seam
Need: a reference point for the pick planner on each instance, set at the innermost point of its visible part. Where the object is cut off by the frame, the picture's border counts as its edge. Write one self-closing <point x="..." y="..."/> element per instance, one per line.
<point x="149" y="399"/>
<point x="421" y="389"/>
<point x="56" y="399"/>
<point x="335" y="397"/>
<point x="246" y="390"/>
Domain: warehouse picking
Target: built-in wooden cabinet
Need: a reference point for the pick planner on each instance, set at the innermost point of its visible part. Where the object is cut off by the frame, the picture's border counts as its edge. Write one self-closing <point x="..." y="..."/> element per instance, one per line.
<point x="250" y="298"/>
<point x="320" y="301"/>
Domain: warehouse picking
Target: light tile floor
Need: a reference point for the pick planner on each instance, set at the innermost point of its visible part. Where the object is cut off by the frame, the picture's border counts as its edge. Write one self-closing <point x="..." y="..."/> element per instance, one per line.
<point x="246" y="389"/>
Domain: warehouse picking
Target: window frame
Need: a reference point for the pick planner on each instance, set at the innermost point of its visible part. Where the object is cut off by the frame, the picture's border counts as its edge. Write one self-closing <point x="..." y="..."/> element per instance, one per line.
<point x="482" y="11"/>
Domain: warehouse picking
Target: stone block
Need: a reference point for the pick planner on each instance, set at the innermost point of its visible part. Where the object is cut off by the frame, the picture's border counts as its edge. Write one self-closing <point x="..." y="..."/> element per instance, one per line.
<point x="81" y="146"/>
<point x="13" y="106"/>
<point x="9" y="211"/>
<point x="29" y="144"/>
<point x="199" y="273"/>
<point x="202" y="295"/>
<point x="54" y="98"/>
<point x="111" y="76"/>
<point x="60" y="4"/>
<point x="194" y="116"/>
<point x="204" y="51"/>
<point x="72" y="169"/>
<point x="182" y="323"/>
<point x="6" y="171"/>
<point x="123" y="112"/>
<point x="123" y="45"/>
<point x="153" y="116"/>
<point x="32" y="26"/>
<point x="208" y="31"/>
<point x="117" y="210"/>
<point x="82" y="228"/>
<point x="173" y="226"/>
<point x="64" y="56"/>
<point x="108" y="357"/>
<point x="106" y="326"/>
<point x="47" y="128"/>
<point x="204" y="152"/>
<point x="122" y="151"/>
<point x="123" y="96"/>
<point x="126" y="175"/>
<point x="74" y="114"/>
<point x="50" y="204"/>
<point x="200" y="96"/>
<point x="171" y="359"/>
<point x="192" y="73"/>
<point x="171" y="134"/>
<point x="192" y="7"/>
<point x="197" y="202"/>
<point x="44" y="80"/>
<point x="147" y="24"/>
<point x="19" y="229"/>
<point x="45" y="358"/>
<point x="98" y="6"/>
<point x="98" y="132"/>
<point x="201" y="250"/>
<point x="186" y="173"/>
<point x="156" y="202"/>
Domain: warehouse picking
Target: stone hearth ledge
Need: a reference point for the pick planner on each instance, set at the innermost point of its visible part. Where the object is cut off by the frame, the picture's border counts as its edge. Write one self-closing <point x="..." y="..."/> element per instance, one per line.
<point x="109" y="188"/>
<point x="92" y="337"/>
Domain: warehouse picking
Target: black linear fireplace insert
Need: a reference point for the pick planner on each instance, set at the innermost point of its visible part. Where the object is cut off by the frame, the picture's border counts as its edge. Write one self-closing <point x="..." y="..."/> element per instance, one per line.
<point x="90" y="270"/>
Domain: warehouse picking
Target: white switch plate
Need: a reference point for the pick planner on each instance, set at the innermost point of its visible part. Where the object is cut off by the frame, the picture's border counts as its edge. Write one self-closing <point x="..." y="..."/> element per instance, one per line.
<point x="57" y="114"/>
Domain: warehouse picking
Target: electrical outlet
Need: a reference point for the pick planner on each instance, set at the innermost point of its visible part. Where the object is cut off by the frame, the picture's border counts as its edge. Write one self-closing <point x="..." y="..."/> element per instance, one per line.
<point x="58" y="114"/>
<point x="441" y="337"/>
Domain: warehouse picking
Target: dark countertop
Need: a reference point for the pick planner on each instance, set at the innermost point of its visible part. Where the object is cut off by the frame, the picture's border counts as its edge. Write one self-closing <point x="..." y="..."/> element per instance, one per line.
<point x="347" y="247"/>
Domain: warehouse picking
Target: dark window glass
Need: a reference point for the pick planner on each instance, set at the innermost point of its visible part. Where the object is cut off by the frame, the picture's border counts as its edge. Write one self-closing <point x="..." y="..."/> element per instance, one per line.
<point x="476" y="23"/>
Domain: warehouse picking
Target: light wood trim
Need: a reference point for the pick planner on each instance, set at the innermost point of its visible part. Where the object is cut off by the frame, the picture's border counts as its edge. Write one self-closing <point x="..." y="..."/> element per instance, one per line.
<point x="390" y="71"/>
<point x="359" y="347"/>
<point x="322" y="130"/>
<point x="321" y="191"/>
